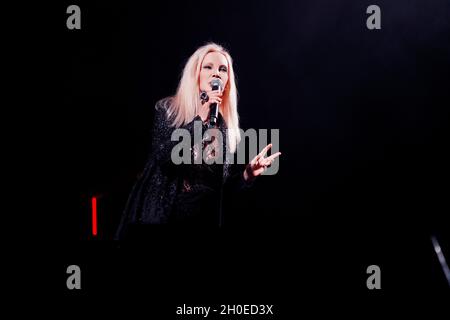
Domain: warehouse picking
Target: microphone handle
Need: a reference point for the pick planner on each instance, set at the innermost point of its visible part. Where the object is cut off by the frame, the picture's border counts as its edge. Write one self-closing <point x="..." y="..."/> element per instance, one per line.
<point x="214" y="111"/>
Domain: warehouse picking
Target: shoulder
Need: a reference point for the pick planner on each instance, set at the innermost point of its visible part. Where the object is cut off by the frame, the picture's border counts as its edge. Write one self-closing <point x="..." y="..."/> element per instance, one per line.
<point x="163" y="104"/>
<point x="163" y="109"/>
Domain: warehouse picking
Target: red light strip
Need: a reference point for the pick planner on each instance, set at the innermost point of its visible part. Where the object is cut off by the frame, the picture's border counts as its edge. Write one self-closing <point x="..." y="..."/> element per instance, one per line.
<point x="94" y="216"/>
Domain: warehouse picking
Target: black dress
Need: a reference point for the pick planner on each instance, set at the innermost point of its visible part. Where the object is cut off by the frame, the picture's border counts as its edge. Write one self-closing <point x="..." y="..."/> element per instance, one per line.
<point x="187" y="194"/>
<point x="198" y="201"/>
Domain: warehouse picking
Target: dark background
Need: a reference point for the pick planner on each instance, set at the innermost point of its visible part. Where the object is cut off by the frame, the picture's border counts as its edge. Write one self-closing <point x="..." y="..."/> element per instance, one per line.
<point x="364" y="127"/>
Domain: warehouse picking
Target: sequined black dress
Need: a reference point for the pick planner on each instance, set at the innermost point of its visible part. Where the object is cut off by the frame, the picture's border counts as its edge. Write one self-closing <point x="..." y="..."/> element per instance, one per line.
<point x="186" y="194"/>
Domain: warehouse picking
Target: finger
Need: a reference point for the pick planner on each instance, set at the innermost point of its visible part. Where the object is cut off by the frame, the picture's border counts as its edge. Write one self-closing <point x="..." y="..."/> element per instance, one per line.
<point x="259" y="162"/>
<point x="215" y="93"/>
<point x="264" y="151"/>
<point x="263" y="162"/>
<point x="266" y="163"/>
<point x="272" y="157"/>
<point x="260" y="156"/>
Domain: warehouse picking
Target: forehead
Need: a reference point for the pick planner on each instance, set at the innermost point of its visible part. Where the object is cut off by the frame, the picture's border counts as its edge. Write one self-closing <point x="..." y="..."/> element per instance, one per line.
<point x="215" y="58"/>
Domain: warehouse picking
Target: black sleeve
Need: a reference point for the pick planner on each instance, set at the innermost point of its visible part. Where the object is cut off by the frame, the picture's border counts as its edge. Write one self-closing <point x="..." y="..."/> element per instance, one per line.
<point x="162" y="144"/>
<point x="236" y="182"/>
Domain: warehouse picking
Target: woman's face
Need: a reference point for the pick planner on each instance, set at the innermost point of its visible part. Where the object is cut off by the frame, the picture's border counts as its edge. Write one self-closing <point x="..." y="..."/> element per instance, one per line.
<point x="214" y="65"/>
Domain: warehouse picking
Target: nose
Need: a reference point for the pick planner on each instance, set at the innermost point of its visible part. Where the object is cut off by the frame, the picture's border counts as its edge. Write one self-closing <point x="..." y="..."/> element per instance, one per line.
<point x="216" y="73"/>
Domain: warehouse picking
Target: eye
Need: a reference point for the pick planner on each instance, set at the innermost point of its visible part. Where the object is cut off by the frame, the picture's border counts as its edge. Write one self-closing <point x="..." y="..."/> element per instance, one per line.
<point x="206" y="67"/>
<point x="224" y="69"/>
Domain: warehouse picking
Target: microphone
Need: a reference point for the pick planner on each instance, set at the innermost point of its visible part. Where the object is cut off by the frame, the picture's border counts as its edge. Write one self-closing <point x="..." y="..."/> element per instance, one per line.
<point x="216" y="84"/>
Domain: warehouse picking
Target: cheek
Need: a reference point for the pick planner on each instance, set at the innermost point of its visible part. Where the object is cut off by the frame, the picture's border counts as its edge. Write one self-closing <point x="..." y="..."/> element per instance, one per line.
<point x="203" y="77"/>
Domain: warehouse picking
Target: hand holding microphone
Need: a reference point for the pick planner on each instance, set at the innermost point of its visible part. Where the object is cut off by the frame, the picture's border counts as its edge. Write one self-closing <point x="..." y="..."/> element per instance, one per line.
<point x="210" y="107"/>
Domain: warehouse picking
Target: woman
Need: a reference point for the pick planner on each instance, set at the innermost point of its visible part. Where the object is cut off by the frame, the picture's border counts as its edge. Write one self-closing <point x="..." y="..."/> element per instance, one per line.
<point x="191" y="194"/>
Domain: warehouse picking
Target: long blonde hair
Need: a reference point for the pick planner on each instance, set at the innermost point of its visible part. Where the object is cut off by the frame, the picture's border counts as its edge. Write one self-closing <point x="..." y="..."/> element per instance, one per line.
<point x="185" y="104"/>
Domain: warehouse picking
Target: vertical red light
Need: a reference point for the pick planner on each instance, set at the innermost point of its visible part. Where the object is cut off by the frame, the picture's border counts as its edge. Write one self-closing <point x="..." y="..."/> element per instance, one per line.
<point x="94" y="216"/>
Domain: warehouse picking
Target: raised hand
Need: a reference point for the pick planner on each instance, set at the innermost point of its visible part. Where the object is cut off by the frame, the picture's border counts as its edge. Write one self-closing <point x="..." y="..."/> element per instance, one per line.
<point x="259" y="164"/>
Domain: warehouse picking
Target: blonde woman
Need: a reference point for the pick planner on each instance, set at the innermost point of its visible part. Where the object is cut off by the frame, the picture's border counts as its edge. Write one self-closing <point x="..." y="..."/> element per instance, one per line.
<point x="191" y="194"/>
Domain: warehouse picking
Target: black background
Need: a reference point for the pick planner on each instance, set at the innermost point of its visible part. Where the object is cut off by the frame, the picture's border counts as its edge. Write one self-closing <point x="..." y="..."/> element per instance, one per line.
<point x="364" y="127"/>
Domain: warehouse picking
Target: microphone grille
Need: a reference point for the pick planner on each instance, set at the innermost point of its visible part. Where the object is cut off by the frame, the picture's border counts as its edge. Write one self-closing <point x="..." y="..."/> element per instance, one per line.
<point x="216" y="83"/>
